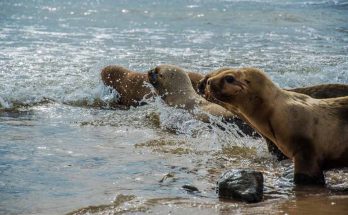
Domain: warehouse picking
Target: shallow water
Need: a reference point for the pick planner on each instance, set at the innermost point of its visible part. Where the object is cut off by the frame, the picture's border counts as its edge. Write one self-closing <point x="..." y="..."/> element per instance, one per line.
<point x="62" y="148"/>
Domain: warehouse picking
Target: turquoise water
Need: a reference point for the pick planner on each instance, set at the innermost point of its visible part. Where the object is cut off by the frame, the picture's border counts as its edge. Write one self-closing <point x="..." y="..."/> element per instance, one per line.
<point x="61" y="150"/>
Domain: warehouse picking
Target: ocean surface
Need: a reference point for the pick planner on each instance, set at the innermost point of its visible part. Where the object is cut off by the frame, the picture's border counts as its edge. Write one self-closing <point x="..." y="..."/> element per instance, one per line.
<point x="64" y="150"/>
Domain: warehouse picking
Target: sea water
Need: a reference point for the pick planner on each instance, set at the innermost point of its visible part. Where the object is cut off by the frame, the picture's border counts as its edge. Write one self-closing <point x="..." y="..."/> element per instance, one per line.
<point x="63" y="149"/>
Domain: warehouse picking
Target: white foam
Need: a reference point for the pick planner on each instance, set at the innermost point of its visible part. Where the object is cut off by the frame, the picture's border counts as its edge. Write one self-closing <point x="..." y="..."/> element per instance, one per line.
<point x="4" y="104"/>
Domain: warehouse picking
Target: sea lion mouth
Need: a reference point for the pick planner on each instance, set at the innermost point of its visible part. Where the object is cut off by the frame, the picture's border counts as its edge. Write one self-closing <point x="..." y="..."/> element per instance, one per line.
<point x="153" y="77"/>
<point x="213" y="96"/>
<point x="213" y="92"/>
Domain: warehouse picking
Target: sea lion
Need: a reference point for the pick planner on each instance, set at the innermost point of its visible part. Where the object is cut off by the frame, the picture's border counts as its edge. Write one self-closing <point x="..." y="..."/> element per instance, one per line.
<point x="173" y="85"/>
<point x="321" y="91"/>
<point x="131" y="86"/>
<point x="313" y="132"/>
<point x="195" y="79"/>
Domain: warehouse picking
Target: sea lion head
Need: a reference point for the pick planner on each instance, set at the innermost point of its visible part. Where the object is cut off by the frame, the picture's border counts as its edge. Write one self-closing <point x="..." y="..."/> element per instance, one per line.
<point x="202" y="84"/>
<point x="113" y="74"/>
<point x="236" y="86"/>
<point x="170" y="79"/>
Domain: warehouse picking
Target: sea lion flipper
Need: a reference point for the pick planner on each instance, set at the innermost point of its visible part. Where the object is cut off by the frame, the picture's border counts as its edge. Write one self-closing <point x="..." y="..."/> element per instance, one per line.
<point x="304" y="179"/>
<point x="307" y="170"/>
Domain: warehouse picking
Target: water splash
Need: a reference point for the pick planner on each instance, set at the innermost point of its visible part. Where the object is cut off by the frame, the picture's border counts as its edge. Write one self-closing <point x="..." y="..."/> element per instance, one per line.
<point x="4" y="104"/>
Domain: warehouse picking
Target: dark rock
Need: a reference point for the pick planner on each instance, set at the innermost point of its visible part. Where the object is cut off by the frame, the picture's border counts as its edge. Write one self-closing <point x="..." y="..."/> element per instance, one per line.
<point x="190" y="188"/>
<point x="241" y="184"/>
<point x="244" y="128"/>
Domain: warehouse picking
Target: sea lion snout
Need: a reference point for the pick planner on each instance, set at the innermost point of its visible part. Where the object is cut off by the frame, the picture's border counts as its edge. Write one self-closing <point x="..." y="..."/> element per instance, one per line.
<point x="212" y="84"/>
<point x="153" y="76"/>
<point x="213" y="88"/>
<point x="201" y="86"/>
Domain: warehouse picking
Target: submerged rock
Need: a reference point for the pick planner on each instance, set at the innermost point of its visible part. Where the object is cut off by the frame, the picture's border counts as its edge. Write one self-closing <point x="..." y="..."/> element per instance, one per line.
<point x="167" y="176"/>
<point x="190" y="188"/>
<point x="241" y="184"/>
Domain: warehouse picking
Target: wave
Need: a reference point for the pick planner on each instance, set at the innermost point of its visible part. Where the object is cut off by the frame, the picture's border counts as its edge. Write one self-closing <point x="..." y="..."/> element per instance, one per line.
<point x="99" y="97"/>
<point x="338" y="3"/>
<point x="4" y="104"/>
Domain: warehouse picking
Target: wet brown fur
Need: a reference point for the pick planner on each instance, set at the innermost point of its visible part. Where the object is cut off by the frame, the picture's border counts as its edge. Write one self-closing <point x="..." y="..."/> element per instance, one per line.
<point x="321" y="91"/>
<point x="130" y="84"/>
<point x="173" y="84"/>
<point x="318" y="91"/>
<point x="313" y="132"/>
<point x="195" y="78"/>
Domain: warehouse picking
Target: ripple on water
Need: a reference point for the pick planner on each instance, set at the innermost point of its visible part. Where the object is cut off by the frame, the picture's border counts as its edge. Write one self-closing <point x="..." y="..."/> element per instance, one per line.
<point x="65" y="144"/>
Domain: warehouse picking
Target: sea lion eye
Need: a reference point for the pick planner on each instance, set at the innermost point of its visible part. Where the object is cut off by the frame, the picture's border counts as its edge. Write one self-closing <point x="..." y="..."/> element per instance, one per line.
<point x="229" y="79"/>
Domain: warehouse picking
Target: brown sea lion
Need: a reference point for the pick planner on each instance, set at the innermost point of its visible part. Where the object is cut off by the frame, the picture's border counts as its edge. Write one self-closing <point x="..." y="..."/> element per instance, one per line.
<point x="195" y="79"/>
<point x="321" y="91"/>
<point x="313" y="132"/>
<point x="130" y="84"/>
<point x="173" y="85"/>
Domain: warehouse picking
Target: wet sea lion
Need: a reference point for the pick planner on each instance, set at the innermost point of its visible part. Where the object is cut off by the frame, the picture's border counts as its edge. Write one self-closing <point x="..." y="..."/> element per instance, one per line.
<point x="195" y="79"/>
<point x="130" y="84"/>
<point x="313" y="132"/>
<point x="173" y="85"/>
<point x="321" y="91"/>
